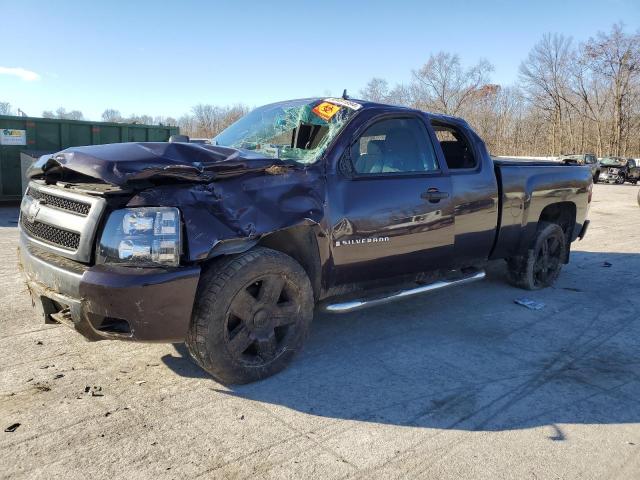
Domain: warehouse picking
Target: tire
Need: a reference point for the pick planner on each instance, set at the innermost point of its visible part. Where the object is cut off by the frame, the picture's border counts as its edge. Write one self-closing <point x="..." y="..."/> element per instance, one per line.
<point x="252" y="314"/>
<point x="596" y="177"/>
<point x="620" y="180"/>
<point x="538" y="269"/>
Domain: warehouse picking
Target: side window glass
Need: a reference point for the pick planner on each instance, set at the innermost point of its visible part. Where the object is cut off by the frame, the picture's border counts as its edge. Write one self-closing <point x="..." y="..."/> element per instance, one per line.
<point x="456" y="149"/>
<point x="398" y="145"/>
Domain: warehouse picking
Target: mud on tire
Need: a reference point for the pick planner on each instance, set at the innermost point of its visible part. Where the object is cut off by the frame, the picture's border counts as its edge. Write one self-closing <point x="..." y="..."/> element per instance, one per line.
<point x="541" y="266"/>
<point x="251" y="315"/>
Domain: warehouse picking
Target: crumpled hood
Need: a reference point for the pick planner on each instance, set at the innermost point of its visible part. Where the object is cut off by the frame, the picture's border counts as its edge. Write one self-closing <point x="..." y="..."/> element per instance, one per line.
<point x="125" y="163"/>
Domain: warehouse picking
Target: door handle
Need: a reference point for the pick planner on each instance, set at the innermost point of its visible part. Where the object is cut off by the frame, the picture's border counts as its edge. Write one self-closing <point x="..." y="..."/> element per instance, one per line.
<point x="434" y="195"/>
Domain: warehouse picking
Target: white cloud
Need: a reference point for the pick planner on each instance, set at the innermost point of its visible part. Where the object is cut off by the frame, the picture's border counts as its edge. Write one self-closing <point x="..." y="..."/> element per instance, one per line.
<point x="26" y="75"/>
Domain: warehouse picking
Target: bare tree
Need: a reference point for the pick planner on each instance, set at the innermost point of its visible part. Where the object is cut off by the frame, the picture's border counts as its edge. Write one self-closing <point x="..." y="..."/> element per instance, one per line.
<point x="443" y="85"/>
<point x="62" y="113"/>
<point x="209" y="120"/>
<point x="616" y="57"/>
<point x="162" y="120"/>
<point x="5" y="108"/>
<point x="545" y="77"/>
<point x="139" y="119"/>
<point x="111" y="115"/>
<point x="377" y="90"/>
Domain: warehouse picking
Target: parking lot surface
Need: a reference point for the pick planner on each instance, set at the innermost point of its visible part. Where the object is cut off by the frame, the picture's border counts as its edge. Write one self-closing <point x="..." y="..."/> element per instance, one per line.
<point x="462" y="383"/>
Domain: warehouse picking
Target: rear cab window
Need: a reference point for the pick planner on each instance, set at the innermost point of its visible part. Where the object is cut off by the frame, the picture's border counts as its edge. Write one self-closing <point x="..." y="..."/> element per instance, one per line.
<point x="456" y="148"/>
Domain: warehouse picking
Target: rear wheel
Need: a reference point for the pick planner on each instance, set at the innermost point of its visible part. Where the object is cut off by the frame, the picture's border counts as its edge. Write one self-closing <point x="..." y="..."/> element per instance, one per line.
<point x="252" y="314"/>
<point x="541" y="266"/>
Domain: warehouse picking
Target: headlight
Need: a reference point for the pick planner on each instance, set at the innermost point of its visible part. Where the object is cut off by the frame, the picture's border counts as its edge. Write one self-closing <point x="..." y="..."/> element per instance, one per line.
<point x="146" y="236"/>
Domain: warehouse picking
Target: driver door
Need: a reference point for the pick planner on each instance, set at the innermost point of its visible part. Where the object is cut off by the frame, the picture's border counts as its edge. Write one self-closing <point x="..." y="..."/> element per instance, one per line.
<point x="393" y="215"/>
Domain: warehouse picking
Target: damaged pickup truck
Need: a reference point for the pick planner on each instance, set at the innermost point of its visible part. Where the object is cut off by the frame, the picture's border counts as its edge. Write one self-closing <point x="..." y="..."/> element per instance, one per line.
<point x="329" y="203"/>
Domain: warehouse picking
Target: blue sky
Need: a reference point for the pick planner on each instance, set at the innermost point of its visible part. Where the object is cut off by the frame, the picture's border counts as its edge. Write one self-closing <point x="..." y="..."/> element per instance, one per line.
<point x="147" y="58"/>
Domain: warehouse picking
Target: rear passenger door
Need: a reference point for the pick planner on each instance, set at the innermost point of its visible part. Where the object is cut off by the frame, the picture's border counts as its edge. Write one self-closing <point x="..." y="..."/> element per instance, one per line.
<point x="391" y="213"/>
<point x="475" y="191"/>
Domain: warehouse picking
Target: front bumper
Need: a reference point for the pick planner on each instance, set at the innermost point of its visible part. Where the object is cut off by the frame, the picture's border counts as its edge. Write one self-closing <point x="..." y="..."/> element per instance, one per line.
<point x="610" y="177"/>
<point x="105" y="302"/>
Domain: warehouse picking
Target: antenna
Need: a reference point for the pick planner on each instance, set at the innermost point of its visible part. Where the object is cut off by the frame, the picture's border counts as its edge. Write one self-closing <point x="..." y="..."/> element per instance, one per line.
<point x="344" y="94"/>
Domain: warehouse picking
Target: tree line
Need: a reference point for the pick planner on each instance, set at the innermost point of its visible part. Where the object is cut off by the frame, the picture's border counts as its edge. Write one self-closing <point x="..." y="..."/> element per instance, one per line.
<point x="203" y="121"/>
<point x="569" y="98"/>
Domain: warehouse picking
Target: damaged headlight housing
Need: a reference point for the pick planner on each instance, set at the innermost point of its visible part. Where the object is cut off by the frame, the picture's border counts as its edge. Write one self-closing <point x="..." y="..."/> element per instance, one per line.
<point x="142" y="237"/>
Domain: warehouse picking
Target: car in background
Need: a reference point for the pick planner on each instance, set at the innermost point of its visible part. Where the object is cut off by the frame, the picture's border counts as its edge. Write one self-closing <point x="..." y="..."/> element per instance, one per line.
<point x="619" y="170"/>
<point x="633" y="170"/>
<point x="588" y="159"/>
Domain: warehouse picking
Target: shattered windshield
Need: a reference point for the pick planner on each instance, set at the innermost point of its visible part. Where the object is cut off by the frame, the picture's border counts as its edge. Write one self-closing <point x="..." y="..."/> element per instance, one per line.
<point x="298" y="130"/>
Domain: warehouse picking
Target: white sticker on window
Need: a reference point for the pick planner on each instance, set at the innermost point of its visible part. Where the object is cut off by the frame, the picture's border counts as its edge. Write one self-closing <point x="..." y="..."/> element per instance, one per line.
<point x="344" y="103"/>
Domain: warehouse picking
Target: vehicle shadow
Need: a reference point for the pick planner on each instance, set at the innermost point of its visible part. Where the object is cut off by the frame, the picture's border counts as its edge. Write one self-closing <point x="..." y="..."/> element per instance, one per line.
<point x="469" y="358"/>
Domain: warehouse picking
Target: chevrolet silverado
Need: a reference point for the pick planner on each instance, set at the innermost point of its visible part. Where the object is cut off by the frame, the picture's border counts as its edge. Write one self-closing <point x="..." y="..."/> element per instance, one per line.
<point x="327" y="203"/>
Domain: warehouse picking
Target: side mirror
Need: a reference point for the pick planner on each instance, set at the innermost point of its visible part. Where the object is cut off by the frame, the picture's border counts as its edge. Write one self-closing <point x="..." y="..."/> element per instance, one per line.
<point x="179" y="139"/>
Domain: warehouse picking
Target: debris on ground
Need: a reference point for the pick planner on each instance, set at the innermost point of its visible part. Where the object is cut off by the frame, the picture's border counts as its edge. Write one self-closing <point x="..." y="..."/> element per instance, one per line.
<point x="530" y="304"/>
<point x="97" y="392"/>
<point x="140" y="382"/>
<point x="39" y="342"/>
<point x="43" y="387"/>
<point x="12" y="428"/>
<point x="59" y="375"/>
<point x="606" y="264"/>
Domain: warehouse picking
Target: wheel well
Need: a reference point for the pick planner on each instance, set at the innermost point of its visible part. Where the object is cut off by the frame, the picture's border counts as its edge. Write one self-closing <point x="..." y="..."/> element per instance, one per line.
<point x="299" y="243"/>
<point x="563" y="214"/>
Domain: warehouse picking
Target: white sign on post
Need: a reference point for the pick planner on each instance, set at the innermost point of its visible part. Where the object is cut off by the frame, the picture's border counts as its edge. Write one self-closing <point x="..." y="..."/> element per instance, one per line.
<point x="10" y="136"/>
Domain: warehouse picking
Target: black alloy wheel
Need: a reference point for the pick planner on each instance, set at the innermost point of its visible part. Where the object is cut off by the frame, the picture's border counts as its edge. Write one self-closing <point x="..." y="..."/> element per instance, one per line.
<point x="261" y="320"/>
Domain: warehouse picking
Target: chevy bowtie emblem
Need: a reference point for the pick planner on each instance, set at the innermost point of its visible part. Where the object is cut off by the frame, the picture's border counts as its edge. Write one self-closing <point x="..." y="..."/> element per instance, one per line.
<point x="32" y="211"/>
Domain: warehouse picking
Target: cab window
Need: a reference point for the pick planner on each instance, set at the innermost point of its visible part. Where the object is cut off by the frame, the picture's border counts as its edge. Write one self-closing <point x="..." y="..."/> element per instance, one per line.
<point x="397" y="145"/>
<point x="457" y="151"/>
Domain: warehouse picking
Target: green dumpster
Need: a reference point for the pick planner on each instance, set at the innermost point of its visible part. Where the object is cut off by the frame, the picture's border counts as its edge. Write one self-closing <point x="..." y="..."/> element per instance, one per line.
<point x="29" y="134"/>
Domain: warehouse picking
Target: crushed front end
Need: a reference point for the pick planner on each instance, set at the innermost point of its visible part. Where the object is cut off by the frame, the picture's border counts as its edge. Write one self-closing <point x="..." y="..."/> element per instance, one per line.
<point x="60" y="229"/>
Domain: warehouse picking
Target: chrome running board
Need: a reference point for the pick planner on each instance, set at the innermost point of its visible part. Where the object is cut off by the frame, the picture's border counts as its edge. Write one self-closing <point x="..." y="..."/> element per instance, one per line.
<point x="353" y="305"/>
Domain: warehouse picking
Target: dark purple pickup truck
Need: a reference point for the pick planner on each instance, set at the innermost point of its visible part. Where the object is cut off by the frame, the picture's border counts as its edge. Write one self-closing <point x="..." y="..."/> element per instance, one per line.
<point x="334" y="203"/>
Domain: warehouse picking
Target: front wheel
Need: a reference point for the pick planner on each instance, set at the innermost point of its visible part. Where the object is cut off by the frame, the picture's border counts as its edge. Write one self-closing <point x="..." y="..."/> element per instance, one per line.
<point x="541" y="266"/>
<point x="252" y="314"/>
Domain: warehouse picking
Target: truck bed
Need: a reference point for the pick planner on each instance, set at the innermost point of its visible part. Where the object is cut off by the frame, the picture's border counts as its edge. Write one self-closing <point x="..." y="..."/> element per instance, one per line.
<point x="525" y="189"/>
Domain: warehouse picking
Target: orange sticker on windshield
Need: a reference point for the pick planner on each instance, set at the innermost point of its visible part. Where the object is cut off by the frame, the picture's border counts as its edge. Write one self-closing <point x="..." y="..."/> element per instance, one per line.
<point x="326" y="110"/>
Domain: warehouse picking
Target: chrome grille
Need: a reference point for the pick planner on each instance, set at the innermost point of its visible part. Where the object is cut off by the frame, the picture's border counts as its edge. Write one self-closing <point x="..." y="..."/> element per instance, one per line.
<point x="74" y="206"/>
<point x="50" y="234"/>
<point x="61" y="221"/>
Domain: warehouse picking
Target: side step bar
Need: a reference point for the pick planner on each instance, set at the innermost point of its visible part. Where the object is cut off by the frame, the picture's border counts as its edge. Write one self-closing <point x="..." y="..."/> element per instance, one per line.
<point x="353" y="305"/>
